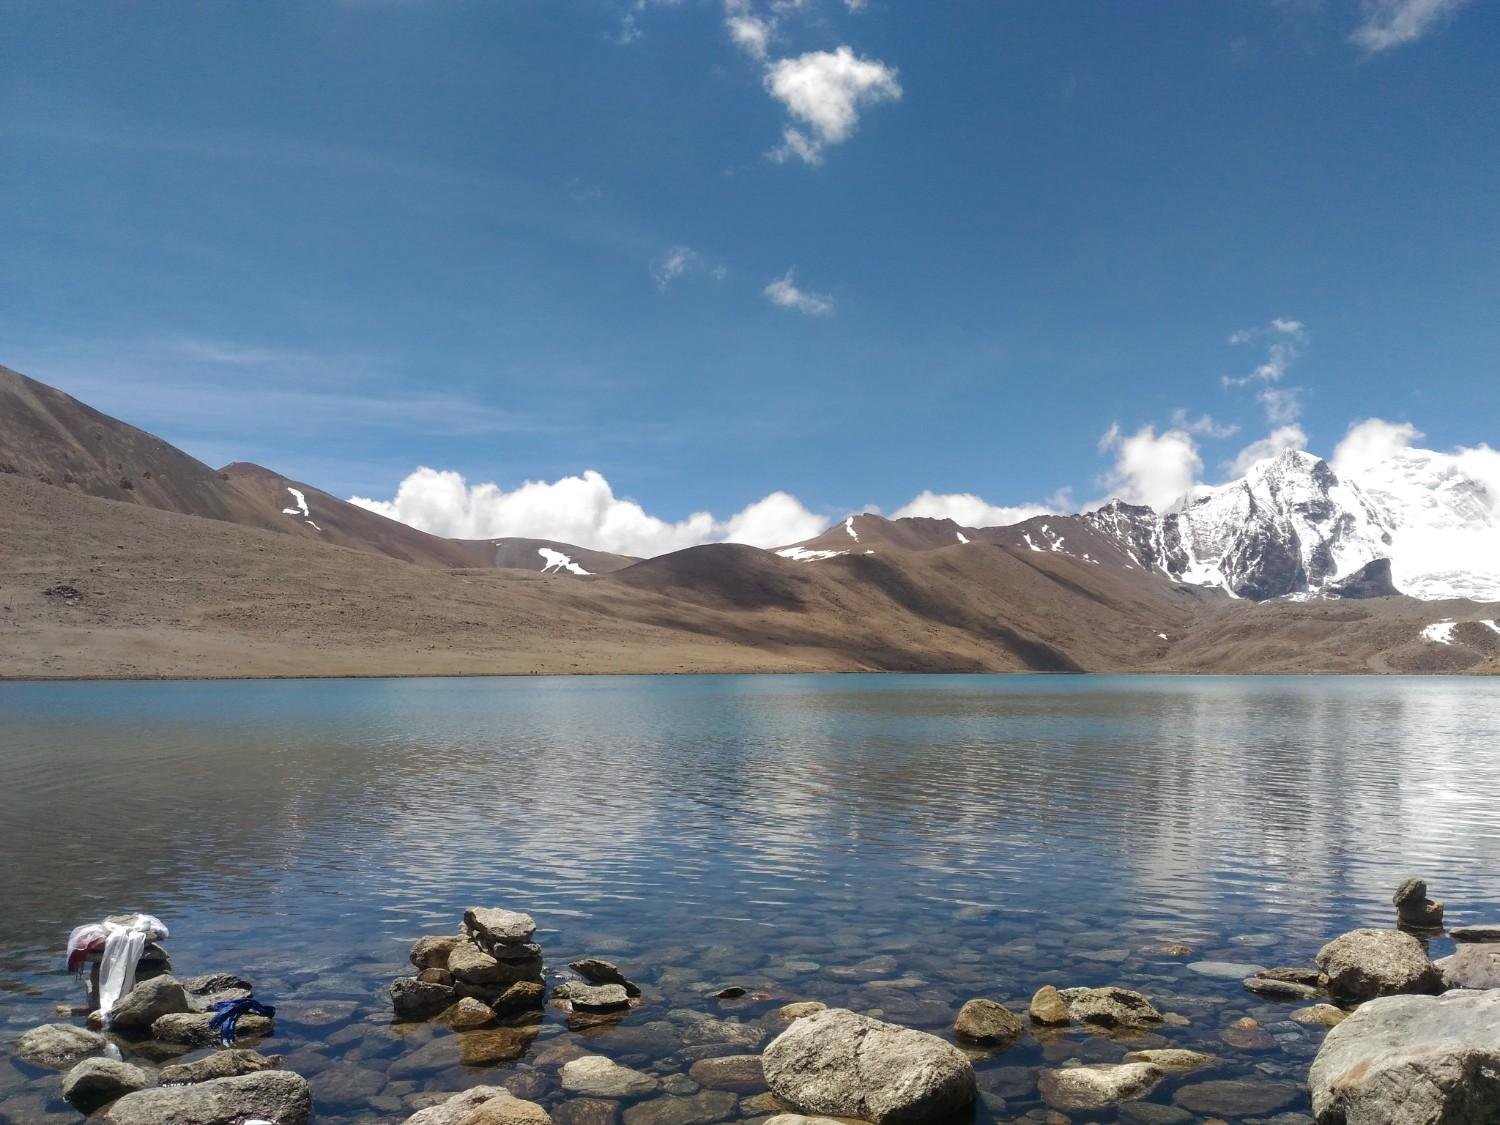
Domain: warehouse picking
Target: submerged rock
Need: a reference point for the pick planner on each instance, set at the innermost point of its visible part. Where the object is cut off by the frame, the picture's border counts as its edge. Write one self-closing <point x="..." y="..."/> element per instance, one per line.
<point x="842" y="1064"/>
<point x="97" y="1082"/>
<point x="599" y="1077"/>
<point x="1364" y="964"/>
<point x="271" y="1095"/>
<point x="1274" y="989"/>
<point x="596" y="970"/>
<point x="1475" y="933"/>
<point x="694" y="1109"/>
<point x="468" y="1014"/>
<point x="1237" y="1097"/>
<point x="1171" y="1058"/>
<point x="790" y="1012"/>
<point x="1097" y="1087"/>
<point x="220" y="1064"/>
<point x="1414" y="908"/>
<point x="58" y="1046"/>
<point x="1323" y="1015"/>
<point x="741" y="1073"/>
<point x="987" y="1023"/>
<point x="593" y="997"/>
<point x="1412" y="1060"/>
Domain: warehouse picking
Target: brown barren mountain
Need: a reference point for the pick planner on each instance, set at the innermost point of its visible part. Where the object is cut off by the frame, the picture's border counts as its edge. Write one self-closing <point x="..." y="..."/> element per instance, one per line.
<point x="201" y="573"/>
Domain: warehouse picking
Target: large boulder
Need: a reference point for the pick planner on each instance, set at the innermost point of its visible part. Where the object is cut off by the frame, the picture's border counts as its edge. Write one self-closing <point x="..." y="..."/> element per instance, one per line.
<point x="57" y="1046"/>
<point x="842" y="1064"/>
<point x="1364" y="964"/>
<point x="272" y="1095"/>
<point x="1097" y="1087"/>
<point x="97" y="1082"/>
<point x="1473" y="966"/>
<point x="1412" y="1060"/>
<point x="148" y="1001"/>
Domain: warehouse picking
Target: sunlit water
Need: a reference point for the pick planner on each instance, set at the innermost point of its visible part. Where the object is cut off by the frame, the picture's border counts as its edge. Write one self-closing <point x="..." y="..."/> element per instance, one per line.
<point x="896" y="845"/>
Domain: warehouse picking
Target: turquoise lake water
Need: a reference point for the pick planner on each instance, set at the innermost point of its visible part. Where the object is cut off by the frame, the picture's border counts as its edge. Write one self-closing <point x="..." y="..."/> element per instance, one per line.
<point x="892" y="844"/>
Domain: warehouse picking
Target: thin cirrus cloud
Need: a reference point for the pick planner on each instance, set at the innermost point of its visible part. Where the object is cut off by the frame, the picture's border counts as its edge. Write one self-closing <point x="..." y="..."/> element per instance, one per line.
<point x="1394" y="23"/>
<point x="683" y="261"/>
<point x="785" y="292"/>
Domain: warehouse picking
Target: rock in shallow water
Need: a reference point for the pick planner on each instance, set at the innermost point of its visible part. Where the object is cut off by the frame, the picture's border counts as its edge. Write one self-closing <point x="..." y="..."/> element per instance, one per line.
<point x="220" y="1064"/>
<point x="1473" y="966"/>
<point x="1237" y="1097"/>
<point x="58" y="1046"/>
<point x="1412" y="1060"/>
<point x="461" y="1109"/>
<point x="1171" y="1058"/>
<point x="838" y="1063"/>
<point x="1490" y="933"/>
<point x="599" y="1077"/>
<point x="696" y="1109"/>
<point x="1274" y="989"/>
<point x="1097" y="1087"/>
<point x="97" y="1082"/>
<point x="987" y="1023"/>
<point x="1323" y="1015"/>
<point x="415" y="999"/>
<point x="1109" y="1007"/>
<point x="192" y="1028"/>
<point x="139" y="1008"/>
<point x="1364" y="964"/>
<point x="741" y="1073"/>
<point x="272" y="1095"/>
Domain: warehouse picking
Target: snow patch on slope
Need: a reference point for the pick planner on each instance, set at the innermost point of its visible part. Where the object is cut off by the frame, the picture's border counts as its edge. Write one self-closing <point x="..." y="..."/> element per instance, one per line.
<point x="849" y="527"/>
<point x="556" y="561"/>
<point x="1440" y="633"/>
<point x="803" y="554"/>
<point x="300" y="509"/>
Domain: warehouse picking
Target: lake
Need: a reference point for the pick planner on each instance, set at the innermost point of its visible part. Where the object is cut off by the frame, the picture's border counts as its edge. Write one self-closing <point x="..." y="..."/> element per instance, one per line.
<point x="893" y="844"/>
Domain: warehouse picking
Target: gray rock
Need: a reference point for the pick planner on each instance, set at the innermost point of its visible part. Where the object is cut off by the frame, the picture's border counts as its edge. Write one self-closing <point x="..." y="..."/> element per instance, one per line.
<point x="596" y="970"/>
<point x="415" y="999"/>
<point x="1473" y="966"/>
<point x="741" y="1073"/>
<point x="143" y="1005"/>
<point x="696" y="1109"/>
<point x="471" y="965"/>
<point x="220" y="1064"/>
<point x="272" y="1095"/>
<point x="1363" y="964"/>
<point x="599" y="1077"/>
<point x="1109" y="1007"/>
<point x="1321" y="1015"/>
<point x="1412" y="1060"/>
<point x="1237" y="1097"/>
<point x="97" y="1082"/>
<point x="523" y="996"/>
<point x="1224" y="970"/>
<point x="1295" y="975"/>
<point x="215" y="982"/>
<point x="481" y="1105"/>
<point x="1274" y="989"/>
<point x="489" y="925"/>
<point x="192" y="1028"/>
<point x="988" y="1024"/>
<point x="593" y="997"/>
<point x="841" y="1064"/>
<point x="1475" y="933"/>
<point x="432" y="952"/>
<point x="1097" y="1087"/>
<point x="57" y="1046"/>
<point x="1171" y="1058"/>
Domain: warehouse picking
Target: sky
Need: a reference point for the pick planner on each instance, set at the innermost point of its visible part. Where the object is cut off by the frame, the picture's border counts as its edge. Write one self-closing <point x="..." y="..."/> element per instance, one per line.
<point x="641" y="273"/>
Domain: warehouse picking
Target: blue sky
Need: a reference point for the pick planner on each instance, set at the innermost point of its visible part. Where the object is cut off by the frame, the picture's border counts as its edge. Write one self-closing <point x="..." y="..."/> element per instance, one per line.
<point x="517" y="241"/>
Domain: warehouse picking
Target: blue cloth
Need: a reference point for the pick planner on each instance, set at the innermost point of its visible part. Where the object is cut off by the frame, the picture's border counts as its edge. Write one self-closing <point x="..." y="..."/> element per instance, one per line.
<point x="227" y="1015"/>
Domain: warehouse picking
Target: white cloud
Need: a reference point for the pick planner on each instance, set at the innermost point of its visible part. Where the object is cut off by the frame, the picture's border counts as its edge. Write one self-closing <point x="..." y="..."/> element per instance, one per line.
<point x="1151" y="468"/>
<point x="681" y="261"/>
<point x="750" y="33"/>
<point x="1203" y="425"/>
<point x="582" y="510"/>
<point x="784" y="292"/>
<point x="967" y="509"/>
<point x="855" y="5"/>
<point x="1283" y="404"/>
<point x="1392" y="23"/>
<point x="1369" y="442"/>
<point x="825" y="91"/>
<point x="1277" y="442"/>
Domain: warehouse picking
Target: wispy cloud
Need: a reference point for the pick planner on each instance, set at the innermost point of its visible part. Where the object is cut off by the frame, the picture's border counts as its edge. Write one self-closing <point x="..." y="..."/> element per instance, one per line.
<point x="784" y="292"/>
<point x="1394" y="23"/>
<point x="682" y="261"/>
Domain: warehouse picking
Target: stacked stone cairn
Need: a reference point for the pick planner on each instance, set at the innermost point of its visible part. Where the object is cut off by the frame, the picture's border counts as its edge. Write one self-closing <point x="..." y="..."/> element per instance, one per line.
<point x="1414" y="910"/>
<point x="490" y="970"/>
<point x="603" y="996"/>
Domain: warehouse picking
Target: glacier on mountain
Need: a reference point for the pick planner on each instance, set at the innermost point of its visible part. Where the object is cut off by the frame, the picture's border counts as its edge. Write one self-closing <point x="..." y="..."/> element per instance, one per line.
<point x="1292" y="526"/>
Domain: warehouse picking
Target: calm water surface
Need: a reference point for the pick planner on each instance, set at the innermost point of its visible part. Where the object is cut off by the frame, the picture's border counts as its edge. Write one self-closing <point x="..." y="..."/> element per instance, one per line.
<point x="897" y="845"/>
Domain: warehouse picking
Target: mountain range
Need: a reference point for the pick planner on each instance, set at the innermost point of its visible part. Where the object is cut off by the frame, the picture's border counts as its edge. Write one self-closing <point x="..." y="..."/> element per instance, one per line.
<point x="124" y="556"/>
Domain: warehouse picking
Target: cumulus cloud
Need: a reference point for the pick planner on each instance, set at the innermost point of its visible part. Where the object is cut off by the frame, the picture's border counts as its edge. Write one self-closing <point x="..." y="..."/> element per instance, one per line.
<point x="784" y="292"/>
<point x="825" y="91"/>
<point x="967" y="509"/>
<point x="1277" y="442"/>
<point x="582" y="510"/>
<point x="1393" y="23"/>
<point x="1151" y="468"/>
<point x="750" y="33"/>
<point x="1369" y="442"/>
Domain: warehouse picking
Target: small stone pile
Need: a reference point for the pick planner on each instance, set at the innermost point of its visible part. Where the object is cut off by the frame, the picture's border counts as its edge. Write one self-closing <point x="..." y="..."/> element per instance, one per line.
<point x="489" y="970"/>
<point x="602" y="995"/>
